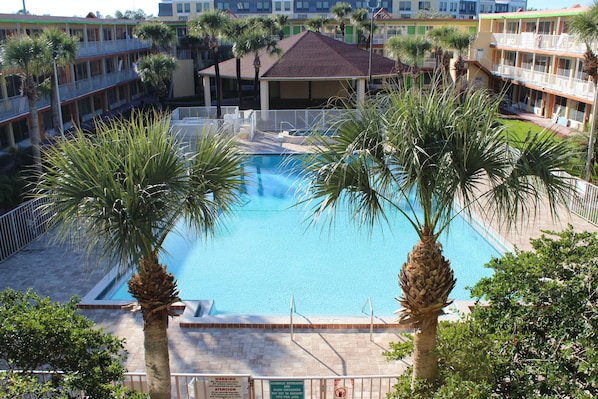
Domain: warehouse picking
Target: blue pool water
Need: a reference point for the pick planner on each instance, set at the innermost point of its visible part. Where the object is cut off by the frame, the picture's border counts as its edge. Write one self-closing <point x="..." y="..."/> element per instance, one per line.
<point x="268" y="253"/>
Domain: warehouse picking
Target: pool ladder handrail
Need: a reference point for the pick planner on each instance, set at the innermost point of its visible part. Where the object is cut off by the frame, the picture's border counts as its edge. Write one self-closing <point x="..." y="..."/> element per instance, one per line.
<point x="369" y="302"/>
<point x="288" y="123"/>
<point x="293" y="309"/>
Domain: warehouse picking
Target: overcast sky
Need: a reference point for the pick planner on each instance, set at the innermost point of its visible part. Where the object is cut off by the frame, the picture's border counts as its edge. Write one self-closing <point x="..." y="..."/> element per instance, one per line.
<point x="80" y="8"/>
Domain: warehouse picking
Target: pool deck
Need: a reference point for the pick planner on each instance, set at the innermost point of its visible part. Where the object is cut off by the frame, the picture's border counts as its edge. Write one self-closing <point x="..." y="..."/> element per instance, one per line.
<point x="60" y="272"/>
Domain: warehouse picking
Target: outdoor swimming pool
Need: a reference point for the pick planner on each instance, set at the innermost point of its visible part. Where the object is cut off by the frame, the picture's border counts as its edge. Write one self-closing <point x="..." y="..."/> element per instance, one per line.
<point x="267" y="253"/>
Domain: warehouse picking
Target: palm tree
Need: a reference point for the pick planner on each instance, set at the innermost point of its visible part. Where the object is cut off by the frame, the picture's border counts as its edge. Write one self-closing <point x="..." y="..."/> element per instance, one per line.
<point x="64" y="50"/>
<point x="234" y="31"/>
<point x="209" y="26"/>
<point x="359" y="18"/>
<point x="411" y="49"/>
<point x="340" y="12"/>
<point x="440" y="39"/>
<point x="258" y="41"/>
<point x="316" y="23"/>
<point x="281" y="21"/>
<point x="585" y="26"/>
<point x="460" y="41"/>
<point x="417" y="152"/>
<point x="29" y="58"/>
<point x="156" y="70"/>
<point x="160" y="35"/>
<point x="124" y="189"/>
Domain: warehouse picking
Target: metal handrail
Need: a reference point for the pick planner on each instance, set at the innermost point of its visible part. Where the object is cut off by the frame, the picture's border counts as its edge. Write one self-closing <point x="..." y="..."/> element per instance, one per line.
<point x="288" y="123"/>
<point x="369" y="302"/>
<point x="292" y="310"/>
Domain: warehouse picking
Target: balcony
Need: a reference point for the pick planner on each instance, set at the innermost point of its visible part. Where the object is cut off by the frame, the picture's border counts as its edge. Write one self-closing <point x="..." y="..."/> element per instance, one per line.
<point x="16" y="106"/>
<point x="100" y="48"/>
<point x="578" y="88"/>
<point x="531" y="41"/>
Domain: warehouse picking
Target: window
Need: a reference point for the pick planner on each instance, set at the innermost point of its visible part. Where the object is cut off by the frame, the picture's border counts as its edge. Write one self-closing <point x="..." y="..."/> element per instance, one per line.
<point x="404" y="5"/>
<point x="81" y="71"/>
<point x="513" y="27"/>
<point x="526" y="61"/>
<point x="424" y="5"/>
<point x="541" y="64"/>
<point x="322" y="6"/>
<point x="545" y="28"/>
<point x="302" y="6"/>
<point x="263" y="6"/>
<point x="454" y="7"/>
<point x="500" y="8"/>
<point x="183" y="7"/>
<point x="202" y="6"/>
<point x="287" y="6"/>
<point x="509" y="58"/>
<point x="223" y="6"/>
<point x="243" y="6"/>
<point x="181" y="32"/>
<point x="564" y="67"/>
<point x="442" y="6"/>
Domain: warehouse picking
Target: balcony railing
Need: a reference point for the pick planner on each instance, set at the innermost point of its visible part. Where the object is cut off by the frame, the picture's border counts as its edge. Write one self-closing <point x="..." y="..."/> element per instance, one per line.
<point x="88" y="49"/>
<point x="572" y="86"/>
<point x="531" y="41"/>
<point x="15" y="106"/>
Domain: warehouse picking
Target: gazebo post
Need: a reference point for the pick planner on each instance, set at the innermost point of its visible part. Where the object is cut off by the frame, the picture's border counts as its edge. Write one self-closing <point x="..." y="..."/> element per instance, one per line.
<point x="361" y="91"/>
<point x="207" y="96"/>
<point x="264" y="95"/>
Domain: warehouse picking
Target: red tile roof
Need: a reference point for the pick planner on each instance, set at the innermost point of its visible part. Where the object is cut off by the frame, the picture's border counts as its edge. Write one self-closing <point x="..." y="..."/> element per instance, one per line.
<point x="311" y="55"/>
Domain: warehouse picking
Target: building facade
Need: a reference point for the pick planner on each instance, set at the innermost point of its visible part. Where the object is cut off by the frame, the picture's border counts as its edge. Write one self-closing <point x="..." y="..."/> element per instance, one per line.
<point x="532" y="56"/>
<point x="183" y="10"/>
<point x="101" y="79"/>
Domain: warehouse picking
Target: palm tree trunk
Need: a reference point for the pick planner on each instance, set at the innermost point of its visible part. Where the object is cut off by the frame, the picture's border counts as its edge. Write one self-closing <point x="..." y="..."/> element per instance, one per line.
<point x="34" y="133"/>
<point x="157" y="362"/>
<point x="218" y="85"/>
<point x="239" y="85"/>
<point x="54" y="104"/>
<point x="426" y="280"/>
<point x="155" y="290"/>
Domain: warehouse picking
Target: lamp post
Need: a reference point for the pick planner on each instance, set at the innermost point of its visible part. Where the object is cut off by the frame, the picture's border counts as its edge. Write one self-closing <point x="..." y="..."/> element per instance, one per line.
<point x="58" y="94"/>
<point x="373" y="11"/>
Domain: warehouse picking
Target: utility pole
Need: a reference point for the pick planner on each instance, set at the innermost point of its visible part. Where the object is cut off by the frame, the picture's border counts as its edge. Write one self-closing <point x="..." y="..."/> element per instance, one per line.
<point x="24" y="8"/>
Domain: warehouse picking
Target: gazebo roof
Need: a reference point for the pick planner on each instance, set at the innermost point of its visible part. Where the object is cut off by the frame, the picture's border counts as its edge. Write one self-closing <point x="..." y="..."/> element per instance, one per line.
<point x="310" y="56"/>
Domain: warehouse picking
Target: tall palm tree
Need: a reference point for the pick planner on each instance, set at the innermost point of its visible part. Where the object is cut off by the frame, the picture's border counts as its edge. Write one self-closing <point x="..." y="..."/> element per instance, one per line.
<point x="411" y="49"/>
<point x="440" y="40"/>
<point x="394" y="48"/>
<point x="585" y="26"/>
<point x="234" y="32"/>
<point x="124" y="189"/>
<point x="359" y="18"/>
<point x="64" y="50"/>
<point x="209" y="26"/>
<point x="417" y="152"/>
<point x="460" y="41"/>
<point x="29" y="58"/>
<point x="156" y="70"/>
<point x="316" y="23"/>
<point x="340" y="12"/>
<point x="258" y="41"/>
<point x="281" y="21"/>
<point x="160" y="35"/>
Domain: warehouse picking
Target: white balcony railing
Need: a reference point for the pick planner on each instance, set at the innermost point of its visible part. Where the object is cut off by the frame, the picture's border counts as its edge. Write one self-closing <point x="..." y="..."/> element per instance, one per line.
<point x="532" y="41"/>
<point x="579" y="88"/>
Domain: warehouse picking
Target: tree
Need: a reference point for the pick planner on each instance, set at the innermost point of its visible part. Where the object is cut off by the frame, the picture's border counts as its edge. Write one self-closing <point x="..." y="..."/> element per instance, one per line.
<point x="28" y="57"/>
<point x="417" y="152"/>
<point x="440" y="39"/>
<point x="281" y="21"/>
<point x="64" y="50"/>
<point x="160" y="35"/>
<point x="125" y="188"/>
<point x="460" y="41"/>
<point x="359" y="18"/>
<point x="411" y="49"/>
<point x="234" y="32"/>
<point x="37" y="334"/>
<point x="316" y="23"/>
<point x="340" y="12"/>
<point x="585" y="26"/>
<point x="535" y="336"/>
<point x="156" y="70"/>
<point x="209" y="26"/>
<point x="131" y="14"/>
<point x="257" y="41"/>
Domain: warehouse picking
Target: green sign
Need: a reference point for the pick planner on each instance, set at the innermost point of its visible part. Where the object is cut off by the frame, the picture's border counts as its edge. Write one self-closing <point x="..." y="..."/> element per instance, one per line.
<point x="289" y="389"/>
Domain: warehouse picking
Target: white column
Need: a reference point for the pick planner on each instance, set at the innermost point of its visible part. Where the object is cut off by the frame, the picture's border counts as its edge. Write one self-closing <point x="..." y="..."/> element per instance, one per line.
<point x="264" y="95"/>
<point x="207" y="96"/>
<point x="361" y="91"/>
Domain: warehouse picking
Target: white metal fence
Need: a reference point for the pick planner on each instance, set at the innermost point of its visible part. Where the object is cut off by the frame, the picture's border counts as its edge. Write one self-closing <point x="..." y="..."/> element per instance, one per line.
<point x="242" y="386"/>
<point x="21" y="226"/>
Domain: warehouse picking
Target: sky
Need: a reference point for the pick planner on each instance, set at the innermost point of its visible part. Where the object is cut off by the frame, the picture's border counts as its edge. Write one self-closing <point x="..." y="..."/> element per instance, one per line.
<point x="80" y="8"/>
